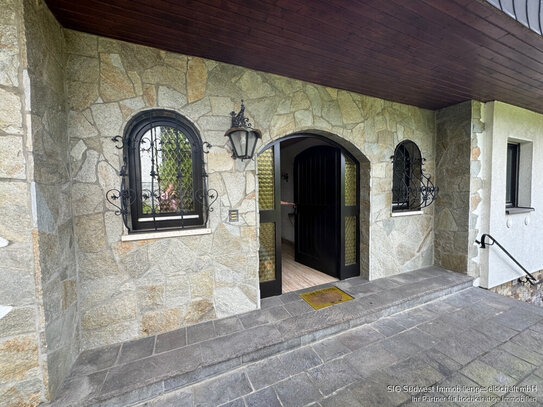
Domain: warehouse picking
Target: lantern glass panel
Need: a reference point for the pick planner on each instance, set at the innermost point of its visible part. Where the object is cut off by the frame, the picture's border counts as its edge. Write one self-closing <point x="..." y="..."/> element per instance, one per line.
<point x="239" y="142"/>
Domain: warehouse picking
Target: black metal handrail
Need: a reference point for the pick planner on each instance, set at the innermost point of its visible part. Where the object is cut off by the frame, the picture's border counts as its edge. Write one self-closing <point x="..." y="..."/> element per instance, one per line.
<point x="531" y="279"/>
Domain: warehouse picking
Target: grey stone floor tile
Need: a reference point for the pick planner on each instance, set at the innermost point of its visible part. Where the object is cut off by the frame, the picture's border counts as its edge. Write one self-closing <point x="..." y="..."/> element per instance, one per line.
<point x="297" y="391"/>
<point x="431" y="399"/>
<point x="414" y="371"/>
<point x="299" y="360"/>
<point x="147" y="392"/>
<point x="400" y="346"/>
<point x="266" y="372"/>
<point x="375" y="392"/>
<point x="171" y="340"/>
<point x="298" y="308"/>
<point x="459" y="381"/>
<point x="507" y="363"/>
<point x="495" y="330"/>
<point x="330" y="348"/>
<point x="200" y="332"/>
<point x="371" y="358"/>
<point x="440" y="328"/>
<point x="181" y="398"/>
<point x="265" y="397"/>
<point x="529" y="339"/>
<point x="387" y="326"/>
<point x="350" y="282"/>
<point x="221" y="389"/>
<point x="518" y="400"/>
<point x="270" y="302"/>
<point x="486" y="375"/>
<point x="516" y="320"/>
<point x="261" y="317"/>
<point x="290" y="297"/>
<point x="358" y="291"/>
<point x="439" y="307"/>
<point x="527" y="355"/>
<point x="226" y="326"/>
<point x="358" y="337"/>
<point x="538" y="327"/>
<point x="92" y="361"/>
<point x="235" y="403"/>
<point x="152" y="369"/>
<point x="419" y="338"/>
<point x="408" y="277"/>
<point x="239" y="343"/>
<point x="413" y="317"/>
<point x="343" y="398"/>
<point x="138" y="349"/>
<point x="333" y="375"/>
<point x="442" y="363"/>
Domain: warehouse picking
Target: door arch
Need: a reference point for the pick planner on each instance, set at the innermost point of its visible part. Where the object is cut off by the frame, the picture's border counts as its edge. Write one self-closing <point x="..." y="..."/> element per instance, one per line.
<point x="352" y="256"/>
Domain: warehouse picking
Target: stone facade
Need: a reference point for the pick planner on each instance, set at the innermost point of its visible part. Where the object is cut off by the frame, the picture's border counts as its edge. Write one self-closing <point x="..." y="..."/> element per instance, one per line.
<point x="52" y="188"/>
<point x="23" y="353"/>
<point x="69" y="280"/>
<point x="140" y="288"/>
<point x="453" y="137"/>
<point x="522" y="290"/>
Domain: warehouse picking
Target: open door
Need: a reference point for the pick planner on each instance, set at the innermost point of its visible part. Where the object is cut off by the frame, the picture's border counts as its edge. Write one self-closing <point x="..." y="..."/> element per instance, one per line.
<point x="269" y="203"/>
<point x="316" y="194"/>
<point x="349" y="225"/>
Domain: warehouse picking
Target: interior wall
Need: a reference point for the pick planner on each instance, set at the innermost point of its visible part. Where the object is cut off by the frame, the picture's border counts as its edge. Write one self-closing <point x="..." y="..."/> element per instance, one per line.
<point x="52" y="189"/>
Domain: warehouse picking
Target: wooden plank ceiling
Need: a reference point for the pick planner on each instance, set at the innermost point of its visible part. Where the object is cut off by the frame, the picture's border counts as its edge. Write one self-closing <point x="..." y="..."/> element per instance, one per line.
<point x="428" y="53"/>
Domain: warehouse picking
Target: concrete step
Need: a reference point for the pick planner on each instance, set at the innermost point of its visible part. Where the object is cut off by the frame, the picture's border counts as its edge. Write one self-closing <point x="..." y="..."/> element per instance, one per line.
<point x="129" y="373"/>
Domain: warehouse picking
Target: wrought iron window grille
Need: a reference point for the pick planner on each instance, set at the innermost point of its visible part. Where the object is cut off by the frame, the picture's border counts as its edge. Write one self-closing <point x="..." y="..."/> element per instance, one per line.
<point x="412" y="188"/>
<point x="170" y="189"/>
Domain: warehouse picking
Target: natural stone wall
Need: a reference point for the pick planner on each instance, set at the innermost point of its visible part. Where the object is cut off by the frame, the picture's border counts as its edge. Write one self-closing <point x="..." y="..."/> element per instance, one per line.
<point x="453" y="152"/>
<point x="139" y="288"/>
<point x="479" y="186"/>
<point x="50" y="149"/>
<point x="522" y="291"/>
<point x="23" y="377"/>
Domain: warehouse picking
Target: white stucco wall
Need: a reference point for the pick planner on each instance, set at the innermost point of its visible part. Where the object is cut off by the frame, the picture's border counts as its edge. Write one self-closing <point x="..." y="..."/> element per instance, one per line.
<point x="521" y="234"/>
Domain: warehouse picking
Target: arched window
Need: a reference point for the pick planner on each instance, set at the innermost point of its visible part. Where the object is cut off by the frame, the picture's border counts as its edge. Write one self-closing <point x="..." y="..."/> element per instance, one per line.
<point x="407" y="177"/>
<point x="165" y="174"/>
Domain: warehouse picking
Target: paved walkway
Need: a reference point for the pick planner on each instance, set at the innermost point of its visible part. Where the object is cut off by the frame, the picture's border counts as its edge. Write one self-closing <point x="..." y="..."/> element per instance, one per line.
<point x="473" y="347"/>
<point x="363" y="352"/>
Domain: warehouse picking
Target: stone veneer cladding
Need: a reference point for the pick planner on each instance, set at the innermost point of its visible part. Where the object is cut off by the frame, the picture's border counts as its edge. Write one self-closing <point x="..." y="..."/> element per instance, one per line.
<point x="140" y="288"/>
<point x="23" y="359"/>
<point x="72" y="282"/>
<point x="453" y="140"/>
<point x="50" y="150"/>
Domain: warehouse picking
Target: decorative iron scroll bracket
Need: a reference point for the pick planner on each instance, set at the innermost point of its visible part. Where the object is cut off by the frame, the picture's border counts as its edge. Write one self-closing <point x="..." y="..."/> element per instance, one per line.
<point x="416" y="187"/>
<point x="239" y="119"/>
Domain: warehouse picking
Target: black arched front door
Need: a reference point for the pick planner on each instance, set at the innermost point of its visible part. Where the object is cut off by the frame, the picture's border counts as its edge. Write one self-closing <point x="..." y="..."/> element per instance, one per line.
<point x="327" y="233"/>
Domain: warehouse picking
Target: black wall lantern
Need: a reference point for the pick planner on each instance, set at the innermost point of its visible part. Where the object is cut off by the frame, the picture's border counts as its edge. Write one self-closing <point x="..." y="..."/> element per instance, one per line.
<point x="242" y="136"/>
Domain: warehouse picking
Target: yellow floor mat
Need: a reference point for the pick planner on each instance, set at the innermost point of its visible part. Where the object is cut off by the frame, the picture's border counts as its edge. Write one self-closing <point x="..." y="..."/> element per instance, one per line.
<point x="325" y="297"/>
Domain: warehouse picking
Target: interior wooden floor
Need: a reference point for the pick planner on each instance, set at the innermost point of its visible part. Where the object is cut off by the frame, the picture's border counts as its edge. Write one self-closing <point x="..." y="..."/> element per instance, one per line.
<point x="296" y="276"/>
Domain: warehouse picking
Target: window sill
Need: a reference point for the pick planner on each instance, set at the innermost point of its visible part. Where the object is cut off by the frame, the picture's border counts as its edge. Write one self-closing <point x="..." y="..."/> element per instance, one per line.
<point x="406" y="213"/>
<point x="164" y="234"/>
<point x="513" y="211"/>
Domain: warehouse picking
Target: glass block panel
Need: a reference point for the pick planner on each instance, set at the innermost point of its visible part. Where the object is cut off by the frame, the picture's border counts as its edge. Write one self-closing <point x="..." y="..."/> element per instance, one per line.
<point x="350" y="240"/>
<point x="350" y="182"/>
<point x="266" y="180"/>
<point x="266" y="252"/>
<point x="166" y="171"/>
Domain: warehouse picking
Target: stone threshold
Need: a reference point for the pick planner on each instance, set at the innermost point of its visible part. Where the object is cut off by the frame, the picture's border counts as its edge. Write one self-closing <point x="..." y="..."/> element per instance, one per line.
<point x="135" y="371"/>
